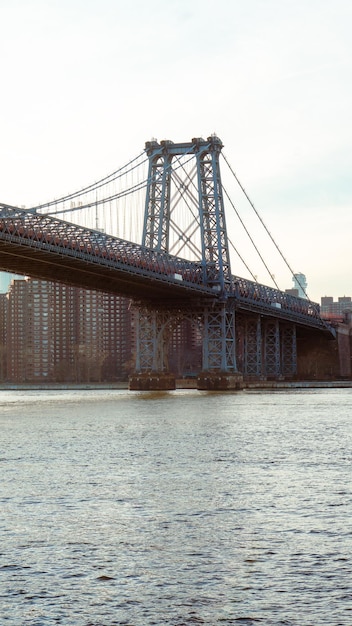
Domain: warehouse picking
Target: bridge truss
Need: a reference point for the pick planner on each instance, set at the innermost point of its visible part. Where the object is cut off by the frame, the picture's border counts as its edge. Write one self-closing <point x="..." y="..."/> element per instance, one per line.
<point x="248" y="329"/>
<point x="275" y="345"/>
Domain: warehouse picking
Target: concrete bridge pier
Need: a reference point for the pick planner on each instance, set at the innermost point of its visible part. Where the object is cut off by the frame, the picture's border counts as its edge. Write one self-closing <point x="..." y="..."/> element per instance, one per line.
<point x="152" y="381"/>
<point x="219" y="381"/>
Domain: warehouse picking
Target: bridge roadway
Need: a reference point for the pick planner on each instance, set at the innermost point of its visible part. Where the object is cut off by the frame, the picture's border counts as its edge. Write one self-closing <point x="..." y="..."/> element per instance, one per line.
<point x="47" y="248"/>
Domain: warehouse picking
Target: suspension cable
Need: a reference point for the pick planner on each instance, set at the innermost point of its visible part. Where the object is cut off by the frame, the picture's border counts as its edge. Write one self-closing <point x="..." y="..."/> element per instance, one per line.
<point x="313" y="304"/>
<point x="243" y="261"/>
<point x="120" y="194"/>
<point x="264" y="225"/>
<point x="251" y="240"/>
<point x="113" y="176"/>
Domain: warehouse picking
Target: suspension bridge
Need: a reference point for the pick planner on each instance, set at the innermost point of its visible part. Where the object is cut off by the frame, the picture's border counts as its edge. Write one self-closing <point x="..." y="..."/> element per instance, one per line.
<point x="179" y="269"/>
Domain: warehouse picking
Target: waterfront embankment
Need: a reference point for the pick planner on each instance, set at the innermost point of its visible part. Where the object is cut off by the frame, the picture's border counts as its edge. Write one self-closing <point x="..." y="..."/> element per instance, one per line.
<point x="181" y="383"/>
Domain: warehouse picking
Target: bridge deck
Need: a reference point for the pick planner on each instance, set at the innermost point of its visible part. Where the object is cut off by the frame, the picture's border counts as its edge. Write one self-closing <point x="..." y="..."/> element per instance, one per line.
<point x="51" y="249"/>
<point x="47" y="248"/>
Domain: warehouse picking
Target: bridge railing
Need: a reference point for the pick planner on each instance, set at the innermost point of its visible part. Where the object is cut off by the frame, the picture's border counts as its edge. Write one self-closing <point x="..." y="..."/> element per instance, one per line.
<point x="254" y="294"/>
<point x="54" y="234"/>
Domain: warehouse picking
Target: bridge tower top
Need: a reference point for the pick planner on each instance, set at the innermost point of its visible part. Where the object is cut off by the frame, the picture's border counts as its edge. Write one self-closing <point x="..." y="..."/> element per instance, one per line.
<point x="211" y="215"/>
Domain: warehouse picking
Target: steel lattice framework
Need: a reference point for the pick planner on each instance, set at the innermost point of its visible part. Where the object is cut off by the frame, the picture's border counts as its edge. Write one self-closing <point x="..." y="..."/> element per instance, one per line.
<point x="219" y="321"/>
<point x="211" y="215"/>
<point x="272" y="347"/>
<point x="252" y="361"/>
<point x="167" y="288"/>
<point x="46" y="247"/>
<point x="288" y="350"/>
<point x="215" y="248"/>
<point x="157" y="215"/>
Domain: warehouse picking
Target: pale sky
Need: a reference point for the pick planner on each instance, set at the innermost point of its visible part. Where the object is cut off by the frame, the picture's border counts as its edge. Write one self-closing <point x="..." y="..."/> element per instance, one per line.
<point x="84" y="83"/>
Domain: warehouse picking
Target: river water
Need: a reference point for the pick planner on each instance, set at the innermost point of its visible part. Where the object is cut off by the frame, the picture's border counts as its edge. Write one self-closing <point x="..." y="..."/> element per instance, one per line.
<point x="177" y="508"/>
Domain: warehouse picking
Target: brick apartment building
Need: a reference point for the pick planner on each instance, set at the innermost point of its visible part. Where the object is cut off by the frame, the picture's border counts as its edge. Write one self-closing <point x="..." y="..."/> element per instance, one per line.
<point x="331" y="309"/>
<point x="3" y="319"/>
<point x="54" y="332"/>
<point x="57" y="333"/>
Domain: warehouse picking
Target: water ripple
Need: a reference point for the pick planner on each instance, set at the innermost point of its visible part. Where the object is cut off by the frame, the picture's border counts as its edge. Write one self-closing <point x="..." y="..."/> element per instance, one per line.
<point x="176" y="509"/>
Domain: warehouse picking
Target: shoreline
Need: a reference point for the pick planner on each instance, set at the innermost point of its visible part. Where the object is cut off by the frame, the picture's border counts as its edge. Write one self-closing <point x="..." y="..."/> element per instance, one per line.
<point x="180" y="384"/>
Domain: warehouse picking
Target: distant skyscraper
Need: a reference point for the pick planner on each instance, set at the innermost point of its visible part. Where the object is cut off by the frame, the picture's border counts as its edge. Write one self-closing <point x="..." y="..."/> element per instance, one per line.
<point x="300" y="283"/>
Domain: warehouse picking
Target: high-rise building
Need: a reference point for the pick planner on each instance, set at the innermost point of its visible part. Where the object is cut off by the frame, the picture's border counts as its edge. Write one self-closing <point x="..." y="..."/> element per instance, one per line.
<point x="300" y="283"/>
<point x="332" y="309"/>
<point x="16" y="338"/>
<point x="29" y="331"/>
<point x="61" y="333"/>
<point x="3" y="325"/>
<point x="185" y="349"/>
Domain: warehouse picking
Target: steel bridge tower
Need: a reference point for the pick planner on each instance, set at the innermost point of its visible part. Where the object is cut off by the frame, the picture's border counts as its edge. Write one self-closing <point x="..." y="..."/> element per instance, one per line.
<point x="217" y="319"/>
<point x="215" y="250"/>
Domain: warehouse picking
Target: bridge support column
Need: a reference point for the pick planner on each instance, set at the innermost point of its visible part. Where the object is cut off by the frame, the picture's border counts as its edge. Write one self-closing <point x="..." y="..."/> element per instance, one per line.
<point x="288" y="351"/>
<point x="152" y="334"/>
<point x="219" y="351"/>
<point x="268" y="348"/>
<point x="252" y="352"/>
<point x="272" y="348"/>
